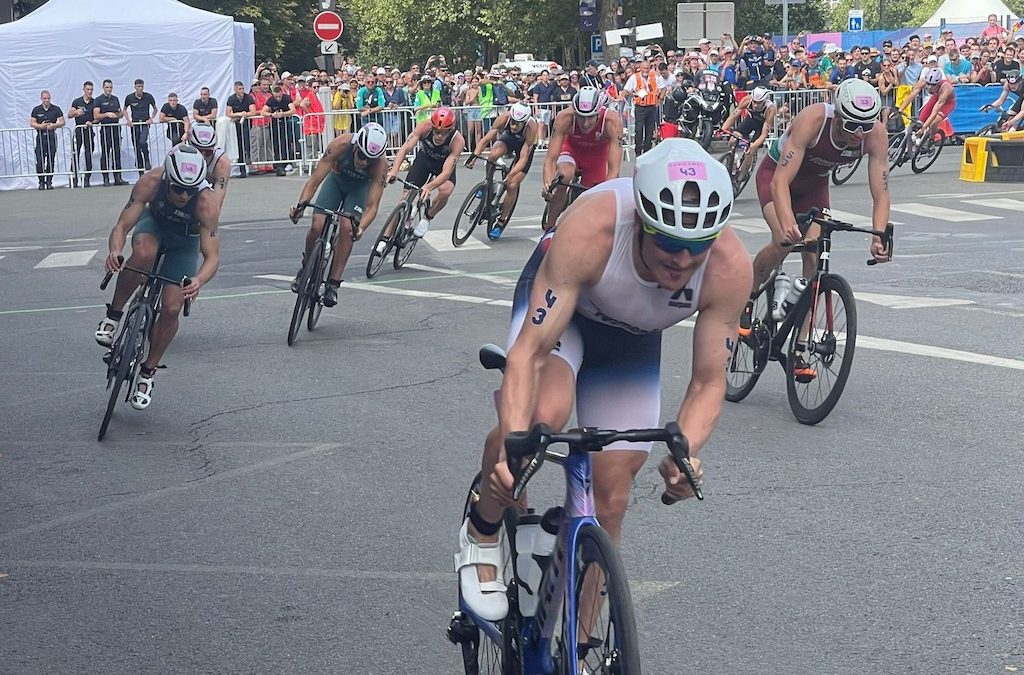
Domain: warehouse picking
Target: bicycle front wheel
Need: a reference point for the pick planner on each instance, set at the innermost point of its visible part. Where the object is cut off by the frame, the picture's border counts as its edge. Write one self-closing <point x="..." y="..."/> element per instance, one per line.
<point x="821" y="352"/>
<point x="314" y="291"/>
<point x="469" y="214"/>
<point x="377" y="257"/>
<point x="497" y="215"/>
<point x="302" y="297"/>
<point x="897" y="146"/>
<point x="842" y="173"/>
<point x="122" y="353"/>
<point x="928" y="152"/>
<point x="606" y="636"/>
<point x="750" y="353"/>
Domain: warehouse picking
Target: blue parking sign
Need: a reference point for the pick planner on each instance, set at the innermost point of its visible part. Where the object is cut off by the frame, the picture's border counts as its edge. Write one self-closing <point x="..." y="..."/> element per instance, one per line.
<point x="596" y="44"/>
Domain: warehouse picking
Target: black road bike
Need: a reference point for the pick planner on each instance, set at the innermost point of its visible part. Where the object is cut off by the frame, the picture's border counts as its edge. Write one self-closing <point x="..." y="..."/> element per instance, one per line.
<point x="575" y="188"/>
<point x="821" y="328"/>
<point x="733" y="161"/>
<point x="909" y="146"/>
<point x="484" y="204"/>
<point x="128" y="350"/>
<point x="315" y="271"/>
<point x="402" y="221"/>
<point x="995" y="128"/>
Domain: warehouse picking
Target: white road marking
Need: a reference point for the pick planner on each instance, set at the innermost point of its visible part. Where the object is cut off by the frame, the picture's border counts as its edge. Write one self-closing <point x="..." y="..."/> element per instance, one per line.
<point x="857" y="219"/>
<point x="12" y="249"/>
<point x="494" y="279"/>
<point x="275" y="277"/>
<point x="441" y="241"/>
<point x="473" y="299"/>
<point x="755" y="225"/>
<point x="972" y="194"/>
<point x="525" y="219"/>
<point x="908" y="302"/>
<point x="1014" y="205"/>
<point x="66" y="259"/>
<point x="85" y="239"/>
<point x="940" y="213"/>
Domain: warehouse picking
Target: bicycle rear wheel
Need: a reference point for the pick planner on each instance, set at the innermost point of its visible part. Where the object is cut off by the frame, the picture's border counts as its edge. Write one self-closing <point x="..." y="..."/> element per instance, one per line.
<point x="404" y="244"/>
<point x="395" y="220"/>
<point x="842" y="173"/>
<point x="469" y="214"/>
<point x="928" y="152"/>
<point x="750" y="355"/>
<point x="896" y="149"/>
<point x="605" y="622"/>
<point x="316" y="286"/>
<point x="741" y="180"/>
<point x="830" y="341"/>
<point x="302" y="297"/>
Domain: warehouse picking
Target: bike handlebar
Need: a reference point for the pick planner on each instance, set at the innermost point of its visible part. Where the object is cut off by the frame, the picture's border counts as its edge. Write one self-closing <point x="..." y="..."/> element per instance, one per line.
<point x="184" y="281"/>
<point x="828" y="223"/>
<point x="534" y="443"/>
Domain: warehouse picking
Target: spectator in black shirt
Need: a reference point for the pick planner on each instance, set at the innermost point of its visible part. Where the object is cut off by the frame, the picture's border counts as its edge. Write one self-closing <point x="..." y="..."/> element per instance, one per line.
<point x="1007" y="62"/>
<point x="81" y="111"/>
<point x="564" y="93"/>
<point x="45" y="120"/>
<point x="753" y="64"/>
<point x="175" y="116"/>
<point x="241" y="107"/>
<point x="280" y="108"/>
<point x="591" y="78"/>
<point x="107" y="113"/>
<point x="205" y="108"/>
<point x="140" y="109"/>
<point x="868" y="68"/>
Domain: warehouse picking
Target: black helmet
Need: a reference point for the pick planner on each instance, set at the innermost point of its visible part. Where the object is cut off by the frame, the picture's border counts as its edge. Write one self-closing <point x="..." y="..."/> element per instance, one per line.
<point x="679" y="94"/>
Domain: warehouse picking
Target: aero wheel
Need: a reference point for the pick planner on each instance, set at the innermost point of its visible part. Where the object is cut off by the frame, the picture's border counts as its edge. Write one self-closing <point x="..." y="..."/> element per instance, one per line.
<point x="469" y="214"/>
<point x="314" y="291"/>
<point x="928" y="152"/>
<point x="817" y="371"/>
<point x="377" y="257"/>
<point x="118" y="371"/>
<point x="302" y="297"/>
<point x="750" y="354"/>
<point x="843" y="172"/>
<point x="605" y="625"/>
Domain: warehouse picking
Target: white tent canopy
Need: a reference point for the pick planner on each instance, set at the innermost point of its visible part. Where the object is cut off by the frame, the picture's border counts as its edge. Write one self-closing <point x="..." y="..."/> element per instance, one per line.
<point x="171" y="46"/>
<point x="968" y="11"/>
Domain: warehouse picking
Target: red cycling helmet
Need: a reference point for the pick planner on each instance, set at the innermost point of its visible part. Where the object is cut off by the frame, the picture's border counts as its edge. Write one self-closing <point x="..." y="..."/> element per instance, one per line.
<point x="443" y="118"/>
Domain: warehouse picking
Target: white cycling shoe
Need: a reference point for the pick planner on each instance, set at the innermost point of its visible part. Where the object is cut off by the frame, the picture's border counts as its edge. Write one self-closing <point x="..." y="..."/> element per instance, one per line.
<point x="141" y="399"/>
<point x="487" y="599"/>
<point x="105" y="332"/>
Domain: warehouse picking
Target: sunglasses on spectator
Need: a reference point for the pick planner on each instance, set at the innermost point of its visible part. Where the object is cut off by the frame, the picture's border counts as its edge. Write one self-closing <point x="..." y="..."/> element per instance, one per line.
<point x="673" y="245"/>
<point x="851" y="127"/>
<point x="179" y="190"/>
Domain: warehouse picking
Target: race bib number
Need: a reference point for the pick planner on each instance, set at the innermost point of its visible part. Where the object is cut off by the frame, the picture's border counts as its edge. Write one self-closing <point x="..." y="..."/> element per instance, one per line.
<point x="687" y="171"/>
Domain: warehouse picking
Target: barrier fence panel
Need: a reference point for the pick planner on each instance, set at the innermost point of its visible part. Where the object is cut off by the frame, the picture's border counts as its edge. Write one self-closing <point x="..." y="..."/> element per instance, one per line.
<point x="36" y="154"/>
<point x="789" y="103"/>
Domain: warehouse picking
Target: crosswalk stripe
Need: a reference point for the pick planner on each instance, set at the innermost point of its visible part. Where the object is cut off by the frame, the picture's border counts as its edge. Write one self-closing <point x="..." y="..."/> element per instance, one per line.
<point x="66" y="259"/>
<point x="998" y="203"/>
<point x="441" y="241"/>
<point x="755" y="225"/>
<point x="940" y="213"/>
<point x="494" y="279"/>
<point x="907" y="301"/>
<point x="856" y="218"/>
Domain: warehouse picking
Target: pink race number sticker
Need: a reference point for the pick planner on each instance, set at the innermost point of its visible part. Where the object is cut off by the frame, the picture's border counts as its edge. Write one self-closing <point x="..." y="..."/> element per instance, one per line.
<point x="687" y="171"/>
<point x="863" y="102"/>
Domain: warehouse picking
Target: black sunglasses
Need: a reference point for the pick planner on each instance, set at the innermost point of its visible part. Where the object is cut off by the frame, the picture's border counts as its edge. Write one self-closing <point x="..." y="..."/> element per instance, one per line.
<point x="179" y="190"/>
<point x="853" y="127"/>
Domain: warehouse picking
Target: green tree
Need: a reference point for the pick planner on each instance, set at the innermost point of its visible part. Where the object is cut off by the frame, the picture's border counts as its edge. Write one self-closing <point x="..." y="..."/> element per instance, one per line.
<point x="284" y="28"/>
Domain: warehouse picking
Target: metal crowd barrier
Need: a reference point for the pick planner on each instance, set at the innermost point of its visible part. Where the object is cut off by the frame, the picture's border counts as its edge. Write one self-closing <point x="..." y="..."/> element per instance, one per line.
<point x="789" y="103"/>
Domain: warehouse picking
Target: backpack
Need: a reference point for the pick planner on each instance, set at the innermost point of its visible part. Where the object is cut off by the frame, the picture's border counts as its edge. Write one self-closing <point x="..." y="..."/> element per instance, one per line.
<point x="500" y="94"/>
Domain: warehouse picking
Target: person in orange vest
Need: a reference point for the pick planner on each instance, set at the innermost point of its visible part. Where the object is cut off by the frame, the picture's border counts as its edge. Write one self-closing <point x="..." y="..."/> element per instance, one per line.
<point x="643" y="87"/>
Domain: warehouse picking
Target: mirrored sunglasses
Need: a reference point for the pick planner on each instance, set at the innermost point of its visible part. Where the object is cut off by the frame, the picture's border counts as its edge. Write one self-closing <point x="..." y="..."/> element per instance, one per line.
<point x="851" y="127"/>
<point x="673" y="245"/>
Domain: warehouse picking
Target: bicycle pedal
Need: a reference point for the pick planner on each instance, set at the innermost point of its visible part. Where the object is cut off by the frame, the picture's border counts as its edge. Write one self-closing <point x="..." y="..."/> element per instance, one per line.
<point x="804" y="378"/>
<point x="108" y="356"/>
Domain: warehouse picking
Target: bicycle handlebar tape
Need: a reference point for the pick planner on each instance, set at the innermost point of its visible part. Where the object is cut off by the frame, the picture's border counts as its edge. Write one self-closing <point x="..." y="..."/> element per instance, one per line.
<point x="109" y="275"/>
<point x="187" y="306"/>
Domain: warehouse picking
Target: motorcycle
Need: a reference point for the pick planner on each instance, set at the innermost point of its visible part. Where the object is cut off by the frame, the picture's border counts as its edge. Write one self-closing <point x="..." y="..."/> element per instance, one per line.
<point x="704" y="109"/>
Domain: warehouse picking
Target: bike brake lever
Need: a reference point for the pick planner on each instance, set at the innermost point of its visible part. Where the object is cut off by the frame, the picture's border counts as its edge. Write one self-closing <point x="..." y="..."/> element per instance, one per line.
<point x="517" y="446"/>
<point x="679" y="448"/>
<point x="109" y="275"/>
<point x="887" y="242"/>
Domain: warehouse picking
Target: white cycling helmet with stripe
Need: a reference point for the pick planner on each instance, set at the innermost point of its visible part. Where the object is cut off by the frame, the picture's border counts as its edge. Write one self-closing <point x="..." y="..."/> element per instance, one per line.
<point x="587" y="101"/>
<point x="371" y="140"/>
<point x="519" y="113"/>
<point x="185" y="166"/>
<point x="933" y="76"/>
<point x="202" y="136"/>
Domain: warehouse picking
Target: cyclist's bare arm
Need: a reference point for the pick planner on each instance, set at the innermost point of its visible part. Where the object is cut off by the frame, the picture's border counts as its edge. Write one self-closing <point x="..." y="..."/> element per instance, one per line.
<point x="143" y="192"/>
<point x="489" y="137"/>
<point x="918" y="86"/>
<point x="576" y="259"/>
<point x="219" y="182"/>
<point x="454" y="150"/>
<point x="376" y="191"/>
<point x="735" y="114"/>
<point x="1002" y="97"/>
<point x="802" y="132"/>
<point x="335" y="150"/>
<point x="876" y="142"/>
<point x="769" y="123"/>
<point x="208" y="212"/>
<point x="418" y="132"/>
<point x="559" y="128"/>
<point x="613" y="132"/>
<point x="529" y="140"/>
<point x="730" y="278"/>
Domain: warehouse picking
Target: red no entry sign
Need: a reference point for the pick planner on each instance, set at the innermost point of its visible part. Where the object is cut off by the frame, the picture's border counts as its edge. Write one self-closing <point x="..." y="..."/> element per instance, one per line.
<point x="328" y="26"/>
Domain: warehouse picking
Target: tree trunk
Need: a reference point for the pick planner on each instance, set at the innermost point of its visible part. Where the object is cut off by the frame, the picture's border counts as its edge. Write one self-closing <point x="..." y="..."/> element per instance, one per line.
<point x="607" y="20"/>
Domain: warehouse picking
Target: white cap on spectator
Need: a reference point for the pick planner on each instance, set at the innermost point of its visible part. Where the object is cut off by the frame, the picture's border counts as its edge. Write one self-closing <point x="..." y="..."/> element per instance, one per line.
<point x="703" y="41"/>
<point x="345" y="86"/>
<point x="933" y="59"/>
<point x="285" y="75"/>
<point x="730" y="48"/>
<point x="381" y="71"/>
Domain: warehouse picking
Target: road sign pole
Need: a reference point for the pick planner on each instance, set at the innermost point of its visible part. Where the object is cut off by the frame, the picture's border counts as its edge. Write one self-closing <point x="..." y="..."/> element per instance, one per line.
<point x="785" y="22"/>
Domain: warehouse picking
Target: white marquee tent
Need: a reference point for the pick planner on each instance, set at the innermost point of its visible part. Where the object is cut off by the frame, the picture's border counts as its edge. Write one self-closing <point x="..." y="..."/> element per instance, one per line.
<point x="172" y="46"/>
<point x="968" y="11"/>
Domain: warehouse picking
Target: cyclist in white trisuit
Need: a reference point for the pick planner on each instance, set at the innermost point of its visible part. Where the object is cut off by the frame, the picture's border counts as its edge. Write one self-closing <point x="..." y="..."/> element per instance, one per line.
<point x="630" y="258"/>
<point x="203" y="138"/>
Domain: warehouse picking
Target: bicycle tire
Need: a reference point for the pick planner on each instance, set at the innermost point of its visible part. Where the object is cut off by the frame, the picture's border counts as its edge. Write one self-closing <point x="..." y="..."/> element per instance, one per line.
<point x="727" y="161"/>
<point x="469" y="215"/>
<point x="544" y="218"/>
<point x="302" y="297"/>
<point x="743" y="179"/>
<point x="897" y="148"/>
<point x="828" y="286"/>
<point x="753" y="357"/>
<point x="121" y="370"/>
<point x="706" y="131"/>
<point x="987" y="130"/>
<point x="317" y="281"/>
<point x="405" y="242"/>
<point x="594" y="547"/>
<point x="844" y="172"/>
<point x="921" y="166"/>
<point x="396" y="219"/>
<point x="501" y="207"/>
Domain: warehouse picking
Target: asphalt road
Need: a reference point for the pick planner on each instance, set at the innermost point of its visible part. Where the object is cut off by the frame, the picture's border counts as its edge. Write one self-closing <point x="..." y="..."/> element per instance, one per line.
<point x="294" y="510"/>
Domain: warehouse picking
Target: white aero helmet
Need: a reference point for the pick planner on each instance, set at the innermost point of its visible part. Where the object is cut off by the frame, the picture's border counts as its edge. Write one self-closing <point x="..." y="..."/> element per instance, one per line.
<point x="587" y="101"/>
<point x="371" y="140"/>
<point x="760" y="94"/>
<point x="682" y="191"/>
<point x="185" y="166"/>
<point x="202" y="136"/>
<point x="857" y="101"/>
<point x="519" y="113"/>
<point x="933" y="76"/>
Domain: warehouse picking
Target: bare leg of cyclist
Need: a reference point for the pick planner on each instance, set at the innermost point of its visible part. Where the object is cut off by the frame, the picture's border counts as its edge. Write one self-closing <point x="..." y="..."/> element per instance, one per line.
<point x="342" y="249"/>
<point x="769" y="257"/>
<point x="556" y="389"/>
<point x="511" y="195"/>
<point x="440" y="199"/>
<point x="144" y="249"/>
<point x="166" y="326"/>
<point x="560" y="197"/>
<point x="315" y="228"/>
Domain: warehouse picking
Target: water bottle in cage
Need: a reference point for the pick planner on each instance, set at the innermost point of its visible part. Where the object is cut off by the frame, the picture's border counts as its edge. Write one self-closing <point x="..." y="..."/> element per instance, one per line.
<point x="782" y="285"/>
<point x="795" y="291"/>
